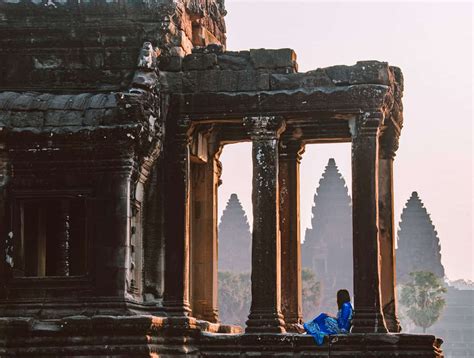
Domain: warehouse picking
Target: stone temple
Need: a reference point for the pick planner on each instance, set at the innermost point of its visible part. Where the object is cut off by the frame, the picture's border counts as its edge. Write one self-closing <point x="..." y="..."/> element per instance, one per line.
<point x="234" y="238"/>
<point x="112" y="118"/>
<point x="418" y="243"/>
<point x="327" y="246"/>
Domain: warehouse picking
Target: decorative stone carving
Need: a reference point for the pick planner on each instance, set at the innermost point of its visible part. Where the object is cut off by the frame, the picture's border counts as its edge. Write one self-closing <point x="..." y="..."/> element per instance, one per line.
<point x="264" y="127"/>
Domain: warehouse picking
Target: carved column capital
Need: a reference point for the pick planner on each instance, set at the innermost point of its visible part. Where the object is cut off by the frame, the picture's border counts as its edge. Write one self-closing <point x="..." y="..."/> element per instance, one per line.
<point x="388" y="143"/>
<point x="264" y="127"/>
<point x="291" y="150"/>
<point x="367" y="125"/>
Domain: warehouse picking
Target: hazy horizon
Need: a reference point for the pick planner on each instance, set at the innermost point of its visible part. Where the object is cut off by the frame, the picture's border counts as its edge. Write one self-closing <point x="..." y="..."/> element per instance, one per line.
<point x="432" y="44"/>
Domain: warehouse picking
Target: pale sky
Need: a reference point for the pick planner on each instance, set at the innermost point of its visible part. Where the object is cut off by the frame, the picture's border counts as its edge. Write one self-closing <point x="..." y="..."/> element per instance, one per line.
<point x="432" y="43"/>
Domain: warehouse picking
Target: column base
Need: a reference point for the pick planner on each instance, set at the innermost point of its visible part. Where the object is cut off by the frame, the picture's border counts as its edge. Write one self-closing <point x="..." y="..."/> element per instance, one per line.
<point x="391" y="319"/>
<point x="393" y="324"/>
<point x="366" y="320"/>
<point x="177" y="308"/>
<point x="265" y="322"/>
<point x="293" y="324"/>
<point x="207" y="314"/>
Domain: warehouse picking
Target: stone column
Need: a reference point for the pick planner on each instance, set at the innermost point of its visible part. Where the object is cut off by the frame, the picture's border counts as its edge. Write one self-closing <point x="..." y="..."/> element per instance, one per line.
<point x="111" y="211"/>
<point x="388" y="146"/>
<point x="176" y="217"/>
<point x="265" y="311"/>
<point x="368" y="315"/>
<point x="63" y="263"/>
<point x="289" y="185"/>
<point x="205" y="181"/>
<point x="6" y="245"/>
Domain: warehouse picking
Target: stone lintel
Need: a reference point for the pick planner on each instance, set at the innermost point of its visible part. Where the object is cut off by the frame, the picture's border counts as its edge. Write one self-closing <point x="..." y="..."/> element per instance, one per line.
<point x="289" y="103"/>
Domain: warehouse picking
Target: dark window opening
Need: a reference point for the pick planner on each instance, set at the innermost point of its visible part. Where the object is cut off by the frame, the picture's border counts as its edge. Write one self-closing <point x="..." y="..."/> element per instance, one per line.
<point x="50" y="237"/>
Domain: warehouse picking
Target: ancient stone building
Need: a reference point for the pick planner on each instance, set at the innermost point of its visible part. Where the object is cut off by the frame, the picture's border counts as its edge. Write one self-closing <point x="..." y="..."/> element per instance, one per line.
<point x="456" y="324"/>
<point x="418" y="243"/>
<point x="327" y="247"/>
<point x="235" y="239"/>
<point x="112" y="118"/>
<point x="419" y="249"/>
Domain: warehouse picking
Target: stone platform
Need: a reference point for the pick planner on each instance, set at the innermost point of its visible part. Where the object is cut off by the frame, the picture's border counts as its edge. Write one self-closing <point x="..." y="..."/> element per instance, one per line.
<point x="151" y="336"/>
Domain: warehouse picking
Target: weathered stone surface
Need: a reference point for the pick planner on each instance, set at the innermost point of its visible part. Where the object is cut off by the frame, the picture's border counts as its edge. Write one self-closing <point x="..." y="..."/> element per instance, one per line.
<point x="291" y="102"/>
<point x="234" y="61"/>
<point x="146" y="80"/>
<point x="198" y="61"/>
<point x="171" y="63"/>
<point x="171" y="82"/>
<point x="99" y="42"/>
<point x="190" y="81"/>
<point x="212" y="48"/>
<point x="317" y="78"/>
<point x="363" y="72"/>
<point x="26" y="119"/>
<point x="228" y="81"/>
<point x="273" y="59"/>
<point x="253" y="81"/>
<point x="25" y="110"/>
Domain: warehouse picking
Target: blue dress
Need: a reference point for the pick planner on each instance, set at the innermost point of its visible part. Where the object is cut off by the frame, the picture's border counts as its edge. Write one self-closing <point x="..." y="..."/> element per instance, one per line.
<point x="324" y="325"/>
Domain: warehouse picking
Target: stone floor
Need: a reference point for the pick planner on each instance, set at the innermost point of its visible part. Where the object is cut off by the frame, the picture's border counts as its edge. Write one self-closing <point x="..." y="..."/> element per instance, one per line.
<point x="150" y="336"/>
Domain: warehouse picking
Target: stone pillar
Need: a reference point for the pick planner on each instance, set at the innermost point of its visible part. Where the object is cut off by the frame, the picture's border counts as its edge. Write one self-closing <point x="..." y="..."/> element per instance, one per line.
<point x="388" y="145"/>
<point x="289" y="187"/>
<point x="63" y="263"/>
<point x="176" y="217"/>
<point x="6" y="231"/>
<point x="368" y="315"/>
<point x="111" y="211"/>
<point x="265" y="311"/>
<point x="205" y="181"/>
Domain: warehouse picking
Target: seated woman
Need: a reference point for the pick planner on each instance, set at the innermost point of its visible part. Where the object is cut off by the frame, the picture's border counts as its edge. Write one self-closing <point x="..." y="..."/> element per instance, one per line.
<point x="324" y="325"/>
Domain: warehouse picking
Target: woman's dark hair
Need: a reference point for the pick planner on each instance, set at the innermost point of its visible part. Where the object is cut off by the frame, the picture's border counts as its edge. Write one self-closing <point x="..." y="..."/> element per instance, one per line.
<point x="342" y="297"/>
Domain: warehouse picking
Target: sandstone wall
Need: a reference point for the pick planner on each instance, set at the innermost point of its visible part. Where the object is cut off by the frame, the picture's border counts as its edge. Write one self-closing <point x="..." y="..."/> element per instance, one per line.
<point x="94" y="45"/>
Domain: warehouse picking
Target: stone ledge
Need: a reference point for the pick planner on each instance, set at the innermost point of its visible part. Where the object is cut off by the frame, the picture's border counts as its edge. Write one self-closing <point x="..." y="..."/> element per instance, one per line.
<point x="238" y="72"/>
<point x="148" y="336"/>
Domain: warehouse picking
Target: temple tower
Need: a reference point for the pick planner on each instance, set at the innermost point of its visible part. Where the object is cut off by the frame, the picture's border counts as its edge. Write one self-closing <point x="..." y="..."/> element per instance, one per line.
<point x="418" y="242"/>
<point x="327" y="248"/>
<point x="234" y="238"/>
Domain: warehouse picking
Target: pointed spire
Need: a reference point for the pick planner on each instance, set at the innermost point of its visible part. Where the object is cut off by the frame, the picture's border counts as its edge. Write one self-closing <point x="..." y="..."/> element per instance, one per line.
<point x="327" y="248"/>
<point x="234" y="238"/>
<point x="331" y="195"/>
<point x="418" y="243"/>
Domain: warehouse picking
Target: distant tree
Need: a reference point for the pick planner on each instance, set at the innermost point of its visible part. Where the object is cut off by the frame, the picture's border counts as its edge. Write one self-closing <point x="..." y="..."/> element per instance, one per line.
<point x="423" y="298"/>
<point x="234" y="297"/>
<point x="311" y="293"/>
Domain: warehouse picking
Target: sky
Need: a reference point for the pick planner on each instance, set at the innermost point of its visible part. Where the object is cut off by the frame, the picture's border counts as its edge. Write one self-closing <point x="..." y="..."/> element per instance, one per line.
<point x="432" y="43"/>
